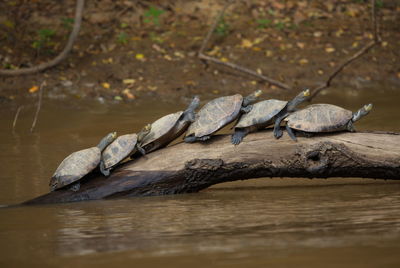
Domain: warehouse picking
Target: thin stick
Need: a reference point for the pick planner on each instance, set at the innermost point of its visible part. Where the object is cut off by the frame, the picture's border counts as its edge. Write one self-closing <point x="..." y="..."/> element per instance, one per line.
<point x="38" y="106"/>
<point x="16" y="116"/>
<point x="245" y="70"/>
<point x="358" y="54"/>
<point x="234" y="66"/>
<point x="62" y="55"/>
<point x="213" y="26"/>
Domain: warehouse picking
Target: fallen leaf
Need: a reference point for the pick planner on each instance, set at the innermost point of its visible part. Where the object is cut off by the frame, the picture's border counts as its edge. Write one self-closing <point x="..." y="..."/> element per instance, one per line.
<point x="300" y="45"/>
<point x="33" y="89"/>
<point x="320" y="72"/>
<point x="329" y="49"/>
<point x="223" y="59"/>
<point x="128" y="81"/>
<point x="268" y="53"/>
<point x="246" y="43"/>
<point x="354" y="45"/>
<point x="167" y="57"/>
<point x="253" y="82"/>
<point x="105" y="85"/>
<point x="127" y="93"/>
<point x="118" y="98"/>
<point x="140" y="57"/>
<point x="317" y="34"/>
<point x="152" y="88"/>
<point x="384" y="44"/>
<point x="303" y="61"/>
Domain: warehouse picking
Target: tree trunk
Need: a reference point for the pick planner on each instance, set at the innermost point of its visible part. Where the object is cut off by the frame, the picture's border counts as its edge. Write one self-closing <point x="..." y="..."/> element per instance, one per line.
<point x="187" y="168"/>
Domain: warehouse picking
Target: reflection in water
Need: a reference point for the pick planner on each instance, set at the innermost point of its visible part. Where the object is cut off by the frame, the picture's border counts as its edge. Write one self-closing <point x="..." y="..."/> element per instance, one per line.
<point x="220" y="221"/>
<point x="253" y="221"/>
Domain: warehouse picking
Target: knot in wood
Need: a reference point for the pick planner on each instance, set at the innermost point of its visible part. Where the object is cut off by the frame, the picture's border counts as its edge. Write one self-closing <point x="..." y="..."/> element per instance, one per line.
<point x="204" y="164"/>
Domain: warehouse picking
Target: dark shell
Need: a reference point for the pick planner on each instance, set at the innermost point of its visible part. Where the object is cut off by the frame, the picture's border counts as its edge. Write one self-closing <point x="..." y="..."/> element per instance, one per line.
<point x="261" y="113"/>
<point x="75" y="166"/>
<point x="215" y="115"/>
<point x="320" y="118"/>
<point x="119" y="149"/>
<point x="161" y="128"/>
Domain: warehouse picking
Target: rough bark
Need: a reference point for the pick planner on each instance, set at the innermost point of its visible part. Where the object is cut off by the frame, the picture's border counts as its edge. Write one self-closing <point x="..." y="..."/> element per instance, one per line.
<point x="186" y="168"/>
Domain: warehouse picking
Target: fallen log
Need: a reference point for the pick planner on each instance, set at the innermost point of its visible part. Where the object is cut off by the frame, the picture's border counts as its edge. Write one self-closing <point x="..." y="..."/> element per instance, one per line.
<point x="187" y="168"/>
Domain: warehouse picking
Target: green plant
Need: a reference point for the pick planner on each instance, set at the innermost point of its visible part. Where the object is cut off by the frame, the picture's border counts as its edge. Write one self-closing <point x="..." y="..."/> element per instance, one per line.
<point x="222" y="28"/>
<point x="44" y="38"/>
<point x="122" y="38"/>
<point x="379" y="3"/>
<point x="67" y="23"/>
<point x="280" y="25"/>
<point x="263" y="23"/>
<point x="152" y="15"/>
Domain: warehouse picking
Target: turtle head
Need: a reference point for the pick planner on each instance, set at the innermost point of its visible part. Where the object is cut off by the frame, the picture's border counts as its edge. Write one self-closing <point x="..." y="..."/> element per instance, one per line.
<point x="189" y="112"/>
<point x="252" y="97"/>
<point x="107" y="140"/>
<point x="362" y="112"/>
<point x="53" y="184"/>
<point x="144" y="132"/>
<point x="300" y="98"/>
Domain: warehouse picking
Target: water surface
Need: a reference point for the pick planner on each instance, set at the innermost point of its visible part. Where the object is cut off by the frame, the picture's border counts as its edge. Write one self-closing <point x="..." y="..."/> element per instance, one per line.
<point x="276" y="222"/>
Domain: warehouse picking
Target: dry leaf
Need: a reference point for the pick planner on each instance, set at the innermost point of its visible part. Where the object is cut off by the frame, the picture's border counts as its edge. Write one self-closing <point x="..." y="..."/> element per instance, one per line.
<point x="33" y="89"/>
<point x="246" y="43"/>
<point x="127" y="93"/>
<point x="329" y="49"/>
<point x="303" y="61"/>
<point x="128" y="81"/>
<point x="224" y="59"/>
<point x="105" y="85"/>
<point x="140" y="57"/>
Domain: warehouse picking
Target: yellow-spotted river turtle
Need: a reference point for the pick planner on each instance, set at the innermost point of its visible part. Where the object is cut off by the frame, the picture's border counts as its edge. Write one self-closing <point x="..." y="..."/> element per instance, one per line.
<point x="78" y="164"/>
<point x="263" y="114"/>
<point x="323" y="118"/>
<point x="218" y="113"/>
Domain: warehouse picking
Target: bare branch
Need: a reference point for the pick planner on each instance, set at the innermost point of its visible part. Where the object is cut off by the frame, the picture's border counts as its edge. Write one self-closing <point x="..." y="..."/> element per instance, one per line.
<point x="38" y="106"/>
<point x="234" y="66"/>
<point x="214" y="25"/>
<point x="16" y="117"/>
<point x="61" y="56"/>
<point x="245" y="70"/>
<point x="358" y="54"/>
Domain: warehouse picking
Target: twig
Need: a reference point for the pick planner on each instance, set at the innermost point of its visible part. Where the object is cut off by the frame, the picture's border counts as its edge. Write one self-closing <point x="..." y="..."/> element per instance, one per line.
<point x="234" y="66"/>
<point x="62" y="55"/>
<point x="16" y="116"/>
<point x="245" y="70"/>
<point x="38" y="106"/>
<point x="213" y="26"/>
<point x="358" y="54"/>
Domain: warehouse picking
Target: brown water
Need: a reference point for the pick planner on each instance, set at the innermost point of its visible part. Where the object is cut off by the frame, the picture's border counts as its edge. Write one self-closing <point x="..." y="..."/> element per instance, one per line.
<point x="275" y="222"/>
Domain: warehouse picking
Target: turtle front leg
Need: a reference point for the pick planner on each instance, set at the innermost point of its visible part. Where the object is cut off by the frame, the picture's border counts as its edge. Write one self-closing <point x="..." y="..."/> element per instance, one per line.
<point x="246" y="109"/>
<point x="350" y="126"/>
<point x="190" y="139"/>
<point x="238" y="136"/>
<point x="277" y="127"/>
<point x="140" y="149"/>
<point x="75" y="186"/>
<point x="291" y="133"/>
<point x="104" y="170"/>
<point x="204" y="138"/>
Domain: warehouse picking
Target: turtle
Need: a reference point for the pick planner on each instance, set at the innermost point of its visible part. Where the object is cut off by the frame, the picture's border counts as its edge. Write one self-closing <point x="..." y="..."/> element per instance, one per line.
<point x="318" y="118"/>
<point x="263" y="114"/>
<point x="121" y="148"/>
<point x="169" y="127"/>
<point x="218" y="113"/>
<point x="78" y="164"/>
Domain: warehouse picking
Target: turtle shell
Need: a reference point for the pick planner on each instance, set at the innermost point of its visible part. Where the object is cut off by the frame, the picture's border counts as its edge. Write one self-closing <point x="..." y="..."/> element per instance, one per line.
<point x="75" y="166"/>
<point x="215" y="115"/>
<point x="119" y="149"/>
<point x="261" y="113"/>
<point x="320" y="118"/>
<point x="161" y="128"/>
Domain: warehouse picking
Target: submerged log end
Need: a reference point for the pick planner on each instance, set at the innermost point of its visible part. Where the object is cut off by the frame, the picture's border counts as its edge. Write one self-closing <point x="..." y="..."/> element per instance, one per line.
<point x="186" y="168"/>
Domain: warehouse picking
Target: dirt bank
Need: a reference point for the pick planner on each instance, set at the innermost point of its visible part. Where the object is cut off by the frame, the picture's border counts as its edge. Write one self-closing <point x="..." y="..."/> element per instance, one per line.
<point x="129" y="50"/>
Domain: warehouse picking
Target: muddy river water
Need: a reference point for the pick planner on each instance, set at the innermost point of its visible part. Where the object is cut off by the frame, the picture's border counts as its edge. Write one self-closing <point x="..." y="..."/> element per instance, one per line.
<point x="256" y="223"/>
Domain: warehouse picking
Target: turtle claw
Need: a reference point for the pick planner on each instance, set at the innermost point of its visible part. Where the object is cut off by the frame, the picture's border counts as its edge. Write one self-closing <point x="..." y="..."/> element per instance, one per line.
<point x="278" y="133"/>
<point x="75" y="187"/>
<point x="190" y="139"/>
<point x="246" y="109"/>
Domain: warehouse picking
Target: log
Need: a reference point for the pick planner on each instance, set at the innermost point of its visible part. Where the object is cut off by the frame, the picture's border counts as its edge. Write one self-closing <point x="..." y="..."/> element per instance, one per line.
<point x="188" y="168"/>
